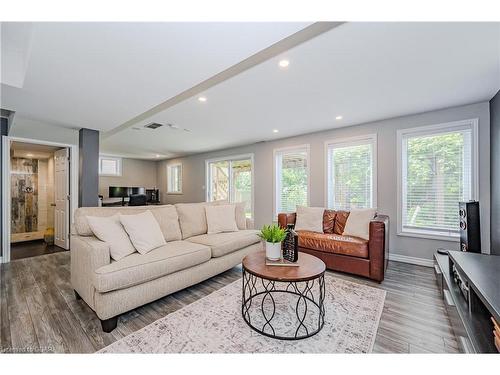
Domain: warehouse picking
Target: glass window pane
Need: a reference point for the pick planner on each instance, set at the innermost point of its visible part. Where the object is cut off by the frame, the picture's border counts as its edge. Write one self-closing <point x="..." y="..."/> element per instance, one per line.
<point x="242" y="184"/>
<point x="219" y="181"/>
<point x="109" y="166"/>
<point x="291" y="180"/>
<point x="351" y="176"/>
<point x="437" y="176"/>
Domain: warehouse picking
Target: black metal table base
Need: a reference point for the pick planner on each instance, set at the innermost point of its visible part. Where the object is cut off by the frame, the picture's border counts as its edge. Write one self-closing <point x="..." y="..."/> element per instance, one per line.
<point x="304" y="290"/>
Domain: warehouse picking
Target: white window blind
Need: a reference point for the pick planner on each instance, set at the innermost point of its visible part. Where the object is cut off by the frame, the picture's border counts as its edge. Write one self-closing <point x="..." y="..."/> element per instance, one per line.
<point x="174" y="179"/>
<point x="291" y="179"/>
<point x="351" y="173"/>
<point x="110" y="166"/>
<point x="436" y="175"/>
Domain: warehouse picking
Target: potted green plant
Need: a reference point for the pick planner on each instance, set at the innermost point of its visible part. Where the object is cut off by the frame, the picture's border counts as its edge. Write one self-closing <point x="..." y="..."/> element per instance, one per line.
<point x="273" y="235"/>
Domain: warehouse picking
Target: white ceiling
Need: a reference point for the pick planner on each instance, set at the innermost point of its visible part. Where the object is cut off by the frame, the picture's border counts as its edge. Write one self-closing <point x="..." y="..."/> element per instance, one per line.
<point x="99" y="75"/>
<point x="362" y="71"/>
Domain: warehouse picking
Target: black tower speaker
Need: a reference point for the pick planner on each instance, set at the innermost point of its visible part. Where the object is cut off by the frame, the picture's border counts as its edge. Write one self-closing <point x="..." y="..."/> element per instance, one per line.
<point x="470" y="234"/>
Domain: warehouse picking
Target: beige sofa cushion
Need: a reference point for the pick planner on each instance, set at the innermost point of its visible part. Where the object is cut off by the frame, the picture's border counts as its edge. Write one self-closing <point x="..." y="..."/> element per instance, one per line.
<point x="221" y="218"/>
<point x="358" y="223"/>
<point x="239" y="212"/>
<point x="192" y="218"/>
<point x="165" y="215"/>
<point x="310" y="219"/>
<point x="110" y="230"/>
<point x="137" y="269"/>
<point x="143" y="230"/>
<point x="225" y="243"/>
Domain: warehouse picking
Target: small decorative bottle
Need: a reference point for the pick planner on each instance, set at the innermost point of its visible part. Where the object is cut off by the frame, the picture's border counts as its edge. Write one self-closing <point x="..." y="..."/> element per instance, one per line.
<point x="290" y="244"/>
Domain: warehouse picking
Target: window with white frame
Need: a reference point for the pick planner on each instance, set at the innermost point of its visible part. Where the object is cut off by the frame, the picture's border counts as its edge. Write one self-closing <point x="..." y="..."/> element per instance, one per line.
<point x="231" y="179"/>
<point x="437" y="170"/>
<point x="291" y="178"/>
<point x="110" y="166"/>
<point x="174" y="178"/>
<point x="351" y="173"/>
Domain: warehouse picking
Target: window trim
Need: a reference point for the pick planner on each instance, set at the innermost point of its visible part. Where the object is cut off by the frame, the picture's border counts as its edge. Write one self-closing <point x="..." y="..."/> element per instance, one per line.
<point x="119" y="160"/>
<point x="471" y="124"/>
<point x="169" y="166"/>
<point x="232" y="158"/>
<point x="307" y="148"/>
<point x="351" y="141"/>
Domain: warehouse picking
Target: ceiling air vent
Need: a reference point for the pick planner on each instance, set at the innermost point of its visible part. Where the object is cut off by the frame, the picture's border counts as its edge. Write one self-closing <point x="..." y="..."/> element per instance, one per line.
<point x="153" y="125"/>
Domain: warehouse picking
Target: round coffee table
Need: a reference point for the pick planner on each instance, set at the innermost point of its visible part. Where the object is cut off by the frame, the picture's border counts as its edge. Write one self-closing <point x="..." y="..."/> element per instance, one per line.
<point x="301" y="287"/>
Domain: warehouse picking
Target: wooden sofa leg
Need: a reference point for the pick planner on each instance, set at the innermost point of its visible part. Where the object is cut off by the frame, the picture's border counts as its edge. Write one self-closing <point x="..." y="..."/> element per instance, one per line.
<point x="109" y="324"/>
<point x="77" y="296"/>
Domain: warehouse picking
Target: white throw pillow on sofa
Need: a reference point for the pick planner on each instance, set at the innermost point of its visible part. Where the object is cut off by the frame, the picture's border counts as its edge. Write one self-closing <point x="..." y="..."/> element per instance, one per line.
<point x="144" y="231"/>
<point x="110" y="230"/>
<point x="358" y="223"/>
<point x="309" y="218"/>
<point x="221" y="218"/>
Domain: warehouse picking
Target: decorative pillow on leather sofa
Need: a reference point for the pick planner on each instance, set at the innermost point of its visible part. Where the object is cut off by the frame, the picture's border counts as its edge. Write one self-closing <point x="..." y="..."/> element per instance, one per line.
<point x="110" y="230"/>
<point x="329" y="221"/>
<point x="221" y="218"/>
<point x="144" y="231"/>
<point x="358" y="223"/>
<point x="309" y="218"/>
<point x="340" y="220"/>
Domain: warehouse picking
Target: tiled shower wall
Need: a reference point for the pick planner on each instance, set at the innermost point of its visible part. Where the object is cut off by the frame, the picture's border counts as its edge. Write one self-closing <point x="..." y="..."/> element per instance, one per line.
<point x="24" y="195"/>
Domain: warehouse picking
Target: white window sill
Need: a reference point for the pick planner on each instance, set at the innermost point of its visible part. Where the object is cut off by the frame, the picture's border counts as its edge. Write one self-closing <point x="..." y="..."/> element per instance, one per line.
<point x="109" y="175"/>
<point x="429" y="236"/>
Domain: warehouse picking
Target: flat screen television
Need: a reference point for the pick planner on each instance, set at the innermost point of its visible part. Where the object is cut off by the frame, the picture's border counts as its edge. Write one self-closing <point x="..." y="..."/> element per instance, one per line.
<point x="124" y="191"/>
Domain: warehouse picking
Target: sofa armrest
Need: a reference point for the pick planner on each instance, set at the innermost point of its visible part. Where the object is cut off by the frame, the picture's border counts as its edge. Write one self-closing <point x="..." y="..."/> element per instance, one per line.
<point x="378" y="246"/>
<point x="87" y="255"/>
<point x="285" y="219"/>
<point x="249" y="223"/>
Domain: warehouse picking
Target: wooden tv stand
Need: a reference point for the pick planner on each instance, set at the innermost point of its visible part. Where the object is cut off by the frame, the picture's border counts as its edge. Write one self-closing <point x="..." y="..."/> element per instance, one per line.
<point x="472" y="318"/>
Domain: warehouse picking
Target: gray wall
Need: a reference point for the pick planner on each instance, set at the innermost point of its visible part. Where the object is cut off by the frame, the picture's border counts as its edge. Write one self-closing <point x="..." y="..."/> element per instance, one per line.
<point x="88" y="182"/>
<point x="141" y="173"/>
<point x="495" y="173"/>
<point x="194" y="172"/>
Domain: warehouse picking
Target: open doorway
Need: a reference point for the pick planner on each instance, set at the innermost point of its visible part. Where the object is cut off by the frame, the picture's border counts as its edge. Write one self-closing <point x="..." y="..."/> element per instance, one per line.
<point x="39" y="205"/>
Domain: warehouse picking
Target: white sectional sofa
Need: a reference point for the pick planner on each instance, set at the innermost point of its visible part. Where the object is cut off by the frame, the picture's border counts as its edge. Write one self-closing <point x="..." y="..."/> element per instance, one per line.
<point x="190" y="256"/>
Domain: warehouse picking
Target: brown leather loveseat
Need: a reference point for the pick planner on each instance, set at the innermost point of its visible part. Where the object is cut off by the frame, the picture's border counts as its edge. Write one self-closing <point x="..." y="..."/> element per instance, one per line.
<point x="354" y="255"/>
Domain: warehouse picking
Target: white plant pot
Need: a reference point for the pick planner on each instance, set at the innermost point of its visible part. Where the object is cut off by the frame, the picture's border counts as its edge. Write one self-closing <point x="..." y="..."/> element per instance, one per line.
<point x="273" y="250"/>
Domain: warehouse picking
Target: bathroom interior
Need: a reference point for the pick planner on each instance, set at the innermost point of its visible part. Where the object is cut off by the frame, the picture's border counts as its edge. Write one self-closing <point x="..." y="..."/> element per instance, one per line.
<point x="32" y="177"/>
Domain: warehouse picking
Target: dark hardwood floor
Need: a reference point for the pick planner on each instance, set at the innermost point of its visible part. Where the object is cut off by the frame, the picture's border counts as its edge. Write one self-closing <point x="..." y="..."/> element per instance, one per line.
<point x="39" y="312"/>
<point x="26" y="249"/>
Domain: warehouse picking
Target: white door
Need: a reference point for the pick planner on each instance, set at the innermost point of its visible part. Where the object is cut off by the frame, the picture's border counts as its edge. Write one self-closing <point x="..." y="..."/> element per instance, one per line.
<point x="61" y="214"/>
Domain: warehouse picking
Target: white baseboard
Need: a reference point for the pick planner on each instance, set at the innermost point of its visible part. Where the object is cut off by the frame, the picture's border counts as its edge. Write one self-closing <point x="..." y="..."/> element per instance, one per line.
<point x="411" y="260"/>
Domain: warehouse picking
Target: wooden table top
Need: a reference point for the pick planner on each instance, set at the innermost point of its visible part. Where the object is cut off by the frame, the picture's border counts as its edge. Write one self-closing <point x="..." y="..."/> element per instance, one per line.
<point x="309" y="268"/>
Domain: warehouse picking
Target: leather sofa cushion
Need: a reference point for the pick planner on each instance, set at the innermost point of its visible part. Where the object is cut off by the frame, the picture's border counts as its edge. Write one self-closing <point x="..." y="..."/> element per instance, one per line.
<point x="137" y="268"/>
<point x="334" y="243"/>
<point x="329" y="221"/>
<point x="340" y="220"/>
<point x="225" y="243"/>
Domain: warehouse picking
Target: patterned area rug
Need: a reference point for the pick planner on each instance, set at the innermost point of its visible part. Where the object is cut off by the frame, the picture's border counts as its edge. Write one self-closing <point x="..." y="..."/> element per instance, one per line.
<point x="214" y="324"/>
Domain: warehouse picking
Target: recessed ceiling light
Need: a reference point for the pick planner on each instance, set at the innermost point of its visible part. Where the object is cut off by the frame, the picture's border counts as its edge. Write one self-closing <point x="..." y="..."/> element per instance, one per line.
<point x="158" y="155"/>
<point x="284" y="63"/>
<point x="202" y="99"/>
<point x="29" y="155"/>
<point x="338" y="118"/>
<point x="275" y="130"/>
